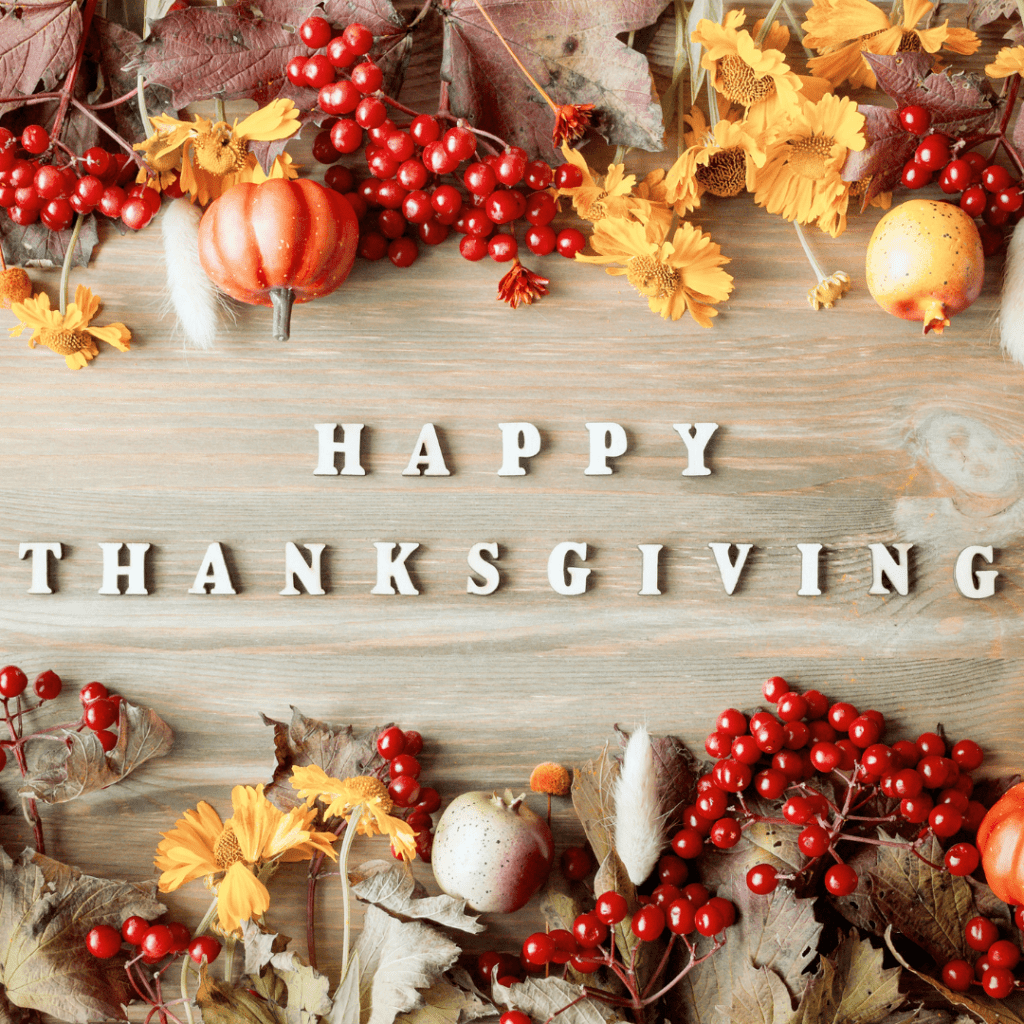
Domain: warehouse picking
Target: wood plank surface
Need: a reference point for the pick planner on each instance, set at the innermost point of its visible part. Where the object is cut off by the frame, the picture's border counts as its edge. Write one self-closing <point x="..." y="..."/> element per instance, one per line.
<point x="843" y="427"/>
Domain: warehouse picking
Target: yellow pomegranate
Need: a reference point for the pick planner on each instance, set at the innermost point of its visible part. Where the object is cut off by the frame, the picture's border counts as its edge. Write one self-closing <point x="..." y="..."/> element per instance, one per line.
<point x="925" y="262"/>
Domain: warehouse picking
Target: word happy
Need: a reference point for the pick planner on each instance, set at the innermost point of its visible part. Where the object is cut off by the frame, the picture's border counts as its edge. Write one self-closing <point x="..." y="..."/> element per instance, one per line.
<point x="566" y="573"/>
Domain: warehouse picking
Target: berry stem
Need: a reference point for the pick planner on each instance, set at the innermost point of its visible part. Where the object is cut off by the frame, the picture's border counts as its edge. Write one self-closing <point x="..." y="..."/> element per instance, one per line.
<point x="659" y="970"/>
<point x="114" y="103"/>
<point x="719" y="943"/>
<point x="420" y="15"/>
<point x="69" y="82"/>
<point x="126" y="146"/>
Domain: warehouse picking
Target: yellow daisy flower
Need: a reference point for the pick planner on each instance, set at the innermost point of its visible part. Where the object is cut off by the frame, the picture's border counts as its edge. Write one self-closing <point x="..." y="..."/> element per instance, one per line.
<point x="842" y="30"/>
<point x="69" y="335"/>
<point x="213" y="156"/>
<point x="684" y="275"/>
<point x="721" y="161"/>
<point x="1009" y="61"/>
<point x="801" y="178"/>
<point x="833" y="219"/>
<point x="742" y="73"/>
<point x="256" y="836"/>
<point x="594" y="198"/>
<point x="342" y="796"/>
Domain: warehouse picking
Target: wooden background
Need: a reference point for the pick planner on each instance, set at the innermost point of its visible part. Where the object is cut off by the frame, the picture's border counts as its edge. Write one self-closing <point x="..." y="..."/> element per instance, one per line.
<point x="843" y="427"/>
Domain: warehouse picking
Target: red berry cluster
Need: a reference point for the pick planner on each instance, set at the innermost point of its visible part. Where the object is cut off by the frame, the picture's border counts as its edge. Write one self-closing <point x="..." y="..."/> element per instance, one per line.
<point x="44" y="190"/>
<point x="151" y="943"/>
<point x="777" y="756"/>
<point x="993" y="971"/>
<point x="987" y="190"/>
<point x="402" y="201"/>
<point x="399" y="749"/>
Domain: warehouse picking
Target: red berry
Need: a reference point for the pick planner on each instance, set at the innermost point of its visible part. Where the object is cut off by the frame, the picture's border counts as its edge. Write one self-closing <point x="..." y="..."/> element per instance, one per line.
<point x="358" y="38"/>
<point x="103" y="941"/>
<point x="569" y="242"/>
<point x="956" y="177"/>
<point x="404" y="764"/>
<point x="813" y="841"/>
<point x="672" y="870"/>
<point x="459" y="142"/>
<point x="514" y="1017"/>
<point x="611" y="907"/>
<point x="502" y="248"/>
<point x="771" y="783"/>
<point x="540" y="240"/>
<point x="538" y="175"/>
<point x="373" y="246"/>
<point x="841" y="880"/>
<point x="648" y="923"/>
<point x="136" y="213"/>
<point x="315" y="32"/>
<point x="133" y="929"/>
<point x="425" y="129"/>
<point x="367" y="77"/>
<point x="100" y="714"/>
<point x="576" y="863"/>
<point x="589" y="931"/>
<point x="980" y="933"/>
<point x="995" y="178"/>
<point x="933" y="152"/>
<point x="709" y="920"/>
<point x="391" y="743"/>
<point x="473" y="248"/>
<point x="404" y="790"/>
<point x="974" y="200"/>
<point x="180" y="936"/>
<point x="998" y="982"/>
<point x="915" y="119"/>
<point x="35" y="139"/>
<point x="157" y="941"/>
<point x="725" y="833"/>
<point x="446" y="200"/>
<point x="339" y="54"/>
<point x="688" y="843"/>
<point x="12" y="681"/>
<point x="962" y="859"/>
<point x="204" y="947"/>
<point x="538" y="949"/>
<point x="967" y="755"/>
<point x="762" y="879"/>
<point x="916" y="175"/>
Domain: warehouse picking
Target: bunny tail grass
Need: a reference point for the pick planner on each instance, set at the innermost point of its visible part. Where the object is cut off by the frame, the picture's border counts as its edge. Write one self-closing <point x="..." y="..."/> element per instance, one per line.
<point x="1011" y="307"/>
<point x="639" y="825"/>
<point x="191" y="294"/>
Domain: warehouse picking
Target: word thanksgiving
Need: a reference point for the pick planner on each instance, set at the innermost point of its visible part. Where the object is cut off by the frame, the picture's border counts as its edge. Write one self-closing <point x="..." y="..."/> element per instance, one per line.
<point x="890" y="563"/>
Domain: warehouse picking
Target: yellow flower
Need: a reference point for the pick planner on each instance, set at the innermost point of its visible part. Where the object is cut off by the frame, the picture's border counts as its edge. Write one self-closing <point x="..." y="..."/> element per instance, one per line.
<point x="829" y="291"/>
<point x="342" y="796"/>
<point x="255" y="836"/>
<point x="213" y="156"/>
<point x="833" y="219"/>
<point x="800" y="180"/>
<point x="720" y="161"/>
<point x="842" y="30"/>
<point x="1009" y="61"/>
<point x="594" y="199"/>
<point x="684" y="275"/>
<point x="69" y="335"/>
<point x="741" y="72"/>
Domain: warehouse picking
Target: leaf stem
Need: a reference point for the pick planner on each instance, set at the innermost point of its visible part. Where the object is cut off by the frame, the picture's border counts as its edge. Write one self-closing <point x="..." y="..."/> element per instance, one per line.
<point x="69" y="82"/>
<point x="766" y="25"/>
<point x="815" y="265"/>
<point x="65" y="270"/>
<point x="203" y="925"/>
<point x="346" y="846"/>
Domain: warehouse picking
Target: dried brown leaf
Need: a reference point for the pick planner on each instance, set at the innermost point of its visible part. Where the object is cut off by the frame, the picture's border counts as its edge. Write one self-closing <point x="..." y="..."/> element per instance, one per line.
<point x="570" y="48"/>
<point x="390" y="886"/>
<point x="224" y="1004"/>
<point x="593" y="798"/>
<point x="46" y="910"/>
<point x="445" y="1003"/>
<point x="340" y="751"/>
<point x="851" y="987"/>
<point x="81" y="766"/>
<point x="982" y="12"/>
<point x="542" y="998"/>
<point x="38" y="43"/>
<point x="37" y="246"/>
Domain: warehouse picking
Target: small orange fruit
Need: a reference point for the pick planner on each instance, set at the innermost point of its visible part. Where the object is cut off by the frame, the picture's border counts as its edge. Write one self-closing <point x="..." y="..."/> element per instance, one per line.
<point x="925" y="262"/>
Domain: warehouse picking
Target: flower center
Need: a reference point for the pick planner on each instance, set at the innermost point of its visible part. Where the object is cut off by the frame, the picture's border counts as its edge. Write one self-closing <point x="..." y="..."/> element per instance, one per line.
<point x="725" y="174"/>
<point x="650" y="277"/>
<point x="910" y="42"/>
<point x="807" y="155"/>
<point x="62" y="341"/>
<point x="219" y="152"/>
<point x="738" y="83"/>
<point x="226" y="850"/>
<point x="368" y="788"/>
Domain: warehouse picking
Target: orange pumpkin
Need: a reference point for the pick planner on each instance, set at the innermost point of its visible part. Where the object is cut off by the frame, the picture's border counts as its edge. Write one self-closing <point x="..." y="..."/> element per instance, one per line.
<point x="278" y="242"/>
<point x="1000" y="842"/>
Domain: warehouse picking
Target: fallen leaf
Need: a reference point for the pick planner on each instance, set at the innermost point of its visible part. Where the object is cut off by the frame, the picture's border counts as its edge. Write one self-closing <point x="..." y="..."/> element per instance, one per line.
<point x="593" y="799"/>
<point x="38" y="43"/>
<point x="759" y="996"/>
<point x="393" y="41"/>
<point x="260" y="947"/>
<point x="81" y="766"/>
<point x="956" y="102"/>
<point x="225" y="1004"/>
<point x="445" y="1003"/>
<point x="390" y="886"/>
<point x="345" y="1008"/>
<point x="231" y="52"/>
<point x="397" y="959"/>
<point x="990" y="1011"/>
<point x="37" y="246"/>
<point x="981" y="12"/>
<point x="307" y="989"/>
<point x="928" y="906"/>
<point x="570" y="48"/>
<point x="543" y="998"/>
<point x="46" y="910"/>
<point x="851" y="987"/>
<point x="341" y="752"/>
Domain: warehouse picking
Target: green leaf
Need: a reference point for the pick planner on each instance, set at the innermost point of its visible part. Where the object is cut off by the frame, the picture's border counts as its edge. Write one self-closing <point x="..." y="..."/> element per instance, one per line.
<point x="851" y="987"/>
<point x="46" y="910"/>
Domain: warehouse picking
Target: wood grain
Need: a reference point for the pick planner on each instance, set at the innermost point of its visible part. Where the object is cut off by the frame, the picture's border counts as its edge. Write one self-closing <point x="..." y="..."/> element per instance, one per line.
<point x="843" y="427"/>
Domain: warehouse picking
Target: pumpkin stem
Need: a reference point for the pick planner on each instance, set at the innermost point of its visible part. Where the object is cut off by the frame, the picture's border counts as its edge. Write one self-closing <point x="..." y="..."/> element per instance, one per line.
<point x="282" y="299"/>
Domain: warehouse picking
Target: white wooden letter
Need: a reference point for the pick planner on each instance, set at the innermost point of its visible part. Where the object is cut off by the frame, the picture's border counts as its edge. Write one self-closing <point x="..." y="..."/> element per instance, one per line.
<point x="349" y="446"/>
<point x="607" y="441"/>
<point x="389" y="568"/>
<point x="214" y="570"/>
<point x="40" y="552"/>
<point x="809" y="570"/>
<point x="135" y="570"/>
<point x="695" y="445"/>
<point x="649" y="569"/>
<point x="975" y="584"/>
<point x="308" y="573"/>
<point x="483" y="568"/>
<point x="518" y="441"/>
<point x="729" y="570"/>
<point x="558" y="571"/>
<point x="427" y="453"/>
<point x="883" y="564"/>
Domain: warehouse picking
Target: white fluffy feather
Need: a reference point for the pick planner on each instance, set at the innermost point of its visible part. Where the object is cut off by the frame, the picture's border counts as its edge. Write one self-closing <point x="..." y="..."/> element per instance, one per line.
<point x="192" y="295"/>
<point x="1011" y="307"/>
<point x="639" y="824"/>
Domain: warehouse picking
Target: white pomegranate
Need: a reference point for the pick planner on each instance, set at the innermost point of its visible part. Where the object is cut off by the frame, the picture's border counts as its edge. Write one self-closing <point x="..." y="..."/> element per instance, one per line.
<point x="492" y="851"/>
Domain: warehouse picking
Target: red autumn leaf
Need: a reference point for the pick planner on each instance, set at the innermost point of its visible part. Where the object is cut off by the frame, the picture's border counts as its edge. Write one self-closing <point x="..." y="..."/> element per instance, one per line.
<point x="981" y="12"/>
<point x="957" y="105"/>
<point x="570" y="48"/>
<point x="38" y="43"/>
<point x="235" y="52"/>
